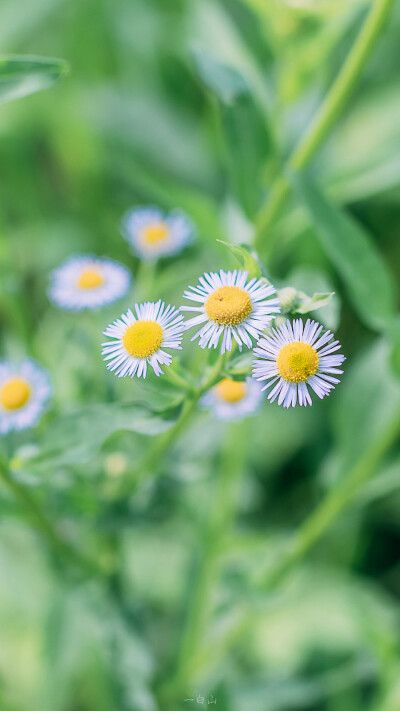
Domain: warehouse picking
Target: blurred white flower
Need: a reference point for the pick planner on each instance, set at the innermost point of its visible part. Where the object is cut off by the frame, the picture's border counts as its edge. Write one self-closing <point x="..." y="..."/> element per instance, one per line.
<point x="153" y="233"/>
<point x="231" y="307"/>
<point x="233" y="400"/>
<point x="88" y="282"/>
<point x="24" y="391"/>
<point x="138" y="341"/>
<point x="294" y="356"/>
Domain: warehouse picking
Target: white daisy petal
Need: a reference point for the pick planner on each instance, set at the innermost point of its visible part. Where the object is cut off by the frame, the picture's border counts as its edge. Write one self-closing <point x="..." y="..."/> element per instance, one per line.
<point x="139" y="342"/>
<point x="232" y="400"/>
<point x="233" y="309"/>
<point x="294" y="356"/>
<point x="24" y="392"/>
<point x="88" y="282"/>
<point x="152" y="233"/>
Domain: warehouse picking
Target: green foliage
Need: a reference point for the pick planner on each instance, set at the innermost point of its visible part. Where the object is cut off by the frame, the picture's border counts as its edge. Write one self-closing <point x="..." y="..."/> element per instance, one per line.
<point x="354" y="255"/>
<point x="245" y="133"/>
<point x="77" y="437"/>
<point x="247" y="258"/>
<point x="197" y="105"/>
<point x="20" y="76"/>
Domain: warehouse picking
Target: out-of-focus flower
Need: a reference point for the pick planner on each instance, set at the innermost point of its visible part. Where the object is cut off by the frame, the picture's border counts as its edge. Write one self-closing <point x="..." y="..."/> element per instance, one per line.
<point x="233" y="400"/>
<point x="138" y="341"/>
<point x="153" y="233"/>
<point x="295" y="356"/>
<point x="88" y="282"/>
<point x="24" y="391"/>
<point x="231" y="307"/>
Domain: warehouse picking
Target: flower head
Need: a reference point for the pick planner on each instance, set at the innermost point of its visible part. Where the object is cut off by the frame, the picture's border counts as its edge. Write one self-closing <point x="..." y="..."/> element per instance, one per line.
<point x="139" y="340"/>
<point x="233" y="400"/>
<point x="24" y="391"/>
<point x="88" y="282"/>
<point x="231" y="307"/>
<point x="153" y="233"/>
<point x="294" y="356"/>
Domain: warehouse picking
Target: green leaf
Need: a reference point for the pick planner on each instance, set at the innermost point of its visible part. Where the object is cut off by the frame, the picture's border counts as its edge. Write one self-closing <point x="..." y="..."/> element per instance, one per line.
<point x="247" y="258"/>
<point x="245" y="130"/>
<point x="366" y="402"/>
<point x="77" y="437"/>
<point x="223" y="80"/>
<point x="23" y="75"/>
<point x="312" y="303"/>
<point x="309" y="280"/>
<point x="354" y="255"/>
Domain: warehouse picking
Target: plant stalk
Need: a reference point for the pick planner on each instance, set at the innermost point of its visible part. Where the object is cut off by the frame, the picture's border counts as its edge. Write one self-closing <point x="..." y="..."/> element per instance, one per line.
<point x="326" y="116"/>
<point x="218" y="526"/>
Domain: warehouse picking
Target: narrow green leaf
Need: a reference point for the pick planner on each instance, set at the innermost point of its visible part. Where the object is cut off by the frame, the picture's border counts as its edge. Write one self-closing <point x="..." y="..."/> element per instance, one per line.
<point x="312" y="303"/>
<point x="353" y="254"/>
<point x="23" y="75"/>
<point x="246" y="135"/>
<point x="247" y="259"/>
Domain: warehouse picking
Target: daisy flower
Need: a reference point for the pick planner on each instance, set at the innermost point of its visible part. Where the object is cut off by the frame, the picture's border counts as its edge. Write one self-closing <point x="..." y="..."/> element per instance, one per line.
<point x="153" y="233"/>
<point x="24" y="391"/>
<point x="294" y="356"/>
<point x="139" y="340"/>
<point x="233" y="400"/>
<point x="231" y="307"/>
<point x="88" y="282"/>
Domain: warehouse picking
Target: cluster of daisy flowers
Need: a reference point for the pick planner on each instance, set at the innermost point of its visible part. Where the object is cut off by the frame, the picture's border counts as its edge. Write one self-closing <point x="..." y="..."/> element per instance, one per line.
<point x="227" y="309"/>
<point x="230" y="309"/>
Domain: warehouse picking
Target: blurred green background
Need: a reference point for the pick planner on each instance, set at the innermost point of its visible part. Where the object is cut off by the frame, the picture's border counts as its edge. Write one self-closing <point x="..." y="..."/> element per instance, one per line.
<point x="196" y="104"/>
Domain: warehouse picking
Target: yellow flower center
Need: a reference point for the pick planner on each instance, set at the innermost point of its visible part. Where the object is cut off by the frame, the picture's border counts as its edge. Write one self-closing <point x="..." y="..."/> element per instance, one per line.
<point x="297" y="361"/>
<point x="14" y="394"/>
<point x="143" y="338"/>
<point x="231" y="390"/>
<point x="90" y="279"/>
<point x="156" y="233"/>
<point x="228" y="306"/>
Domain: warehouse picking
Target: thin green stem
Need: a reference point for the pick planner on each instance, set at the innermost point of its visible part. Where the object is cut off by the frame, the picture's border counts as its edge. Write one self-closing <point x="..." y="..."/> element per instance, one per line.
<point x="217" y="528"/>
<point x="178" y="380"/>
<point x="149" y="462"/>
<point x="44" y="526"/>
<point x="327" y="114"/>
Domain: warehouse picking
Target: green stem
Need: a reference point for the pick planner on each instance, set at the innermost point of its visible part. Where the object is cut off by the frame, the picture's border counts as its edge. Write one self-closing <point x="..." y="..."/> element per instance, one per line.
<point x="217" y="528"/>
<point x="162" y="444"/>
<point x="44" y="526"/>
<point x="327" y="114"/>
<point x="149" y="462"/>
<point x="178" y="380"/>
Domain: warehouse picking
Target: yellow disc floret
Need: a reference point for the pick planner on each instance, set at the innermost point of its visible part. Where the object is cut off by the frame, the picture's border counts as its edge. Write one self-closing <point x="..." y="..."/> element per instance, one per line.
<point x="297" y="361"/>
<point x="155" y="233"/>
<point x="231" y="390"/>
<point x="228" y="306"/>
<point x="90" y="279"/>
<point x="143" y="338"/>
<point x="14" y="394"/>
